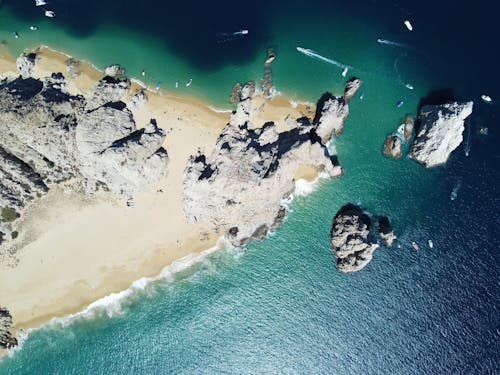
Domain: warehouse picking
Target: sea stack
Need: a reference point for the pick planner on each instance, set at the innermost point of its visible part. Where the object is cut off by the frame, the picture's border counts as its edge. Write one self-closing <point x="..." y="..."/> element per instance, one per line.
<point x="439" y="133"/>
<point x="392" y="146"/>
<point x="385" y="230"/>
<point x="351" y="240"/>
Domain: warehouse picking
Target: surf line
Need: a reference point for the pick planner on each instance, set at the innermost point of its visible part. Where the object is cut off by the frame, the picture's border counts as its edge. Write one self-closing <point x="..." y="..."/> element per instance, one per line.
<point x="315" y="55"/>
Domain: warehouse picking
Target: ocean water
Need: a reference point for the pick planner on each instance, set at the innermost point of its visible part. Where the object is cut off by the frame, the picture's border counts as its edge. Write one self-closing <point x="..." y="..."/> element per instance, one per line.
<point x="280" y="306"/>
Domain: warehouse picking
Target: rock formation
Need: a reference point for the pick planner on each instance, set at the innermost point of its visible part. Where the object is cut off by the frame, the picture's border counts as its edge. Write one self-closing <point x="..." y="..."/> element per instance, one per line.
<point x="392" y="146"/>
<point x="350" y="239"/>
<point x="48" y="136"/>
<point x="385" y="230"/>
<point x="7" y="340"/>
<point x="239" y="187"/>
<point x="332" y="111"/>
<point x="440" y="132"/>
<point x="25" y="64"/>
<point x="408" y="127"/>
<point x="114" y="70"/>
<point x="351" y="87"/>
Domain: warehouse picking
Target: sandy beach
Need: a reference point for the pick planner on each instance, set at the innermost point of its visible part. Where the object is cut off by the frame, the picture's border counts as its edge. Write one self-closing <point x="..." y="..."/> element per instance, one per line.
<point x="81" y="248"/>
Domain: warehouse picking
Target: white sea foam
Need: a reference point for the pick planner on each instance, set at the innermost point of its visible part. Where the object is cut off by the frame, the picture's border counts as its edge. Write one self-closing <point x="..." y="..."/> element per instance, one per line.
<point x="219" y="110"/>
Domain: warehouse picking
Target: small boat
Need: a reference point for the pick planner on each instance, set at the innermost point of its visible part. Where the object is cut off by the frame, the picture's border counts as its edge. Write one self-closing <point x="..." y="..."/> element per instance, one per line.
<point x="188" y="83"/>
<point x="176" y="84"/>
<point x="408" y="25"/>
<point x="399" y="104"/>
<point x="408" y="86"/>
<point x="16" y="35"/>
<point x="39" y="3"/>
<point x="431" y="244"/>
<point x="50" y="13"/>
<point x="362" y="96"/>
<point x="415" y="246"/>
<point x="143" y="73"/>
<point x="33" y="28"/>
<point x="158" y="85"/>
<point x="241" y="32"/>
<point x="486" y="98"/>
<point x="344" y="72"/>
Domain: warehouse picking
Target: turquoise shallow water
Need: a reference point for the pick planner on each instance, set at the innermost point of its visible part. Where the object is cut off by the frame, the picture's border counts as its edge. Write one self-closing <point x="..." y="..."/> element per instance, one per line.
<point x="280" y="306"/>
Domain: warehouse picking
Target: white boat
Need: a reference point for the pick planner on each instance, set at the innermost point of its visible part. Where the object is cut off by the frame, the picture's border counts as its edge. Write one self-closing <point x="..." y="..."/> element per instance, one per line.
<point x="176" y="84"/>
<point x="50" y="13"/>
<point x="486" y="98"/>
<point x="431" y="244"/>
<point x="188" y="83"/>
<point x="241" y="32"/>
<point x="408" y="25"/>
<point x="415" y="245"/>
<point x="344" y="72"/>
<point x="16" y="35"/>
<point x="39" y="3"/>
<point x="408" y="86"/>
<point x="34" y="28"/>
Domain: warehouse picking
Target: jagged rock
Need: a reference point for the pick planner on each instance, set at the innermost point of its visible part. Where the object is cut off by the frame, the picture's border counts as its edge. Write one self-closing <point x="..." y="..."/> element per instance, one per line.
<point x="351" y="87"/>
<point x="332" y="111"/>
<point x="48" y="136"/>
<point x="385" y="230"/>
<point x="440" y="132"/>
<point x="7" y="340"/>
<point x="350" y="239"/>
<point x="107" y="90"/>
<point x="240" y="186"/>
<point x="392" y="146"/>
<point x="25" y="64"/>
<point x="140" y="98"/>
<point x="114" y="70"/>
<point x="235" y="93"/>
<point x="408" y="127"/>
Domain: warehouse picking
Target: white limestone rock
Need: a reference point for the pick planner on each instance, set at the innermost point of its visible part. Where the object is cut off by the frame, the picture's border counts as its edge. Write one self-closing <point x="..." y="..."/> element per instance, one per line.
<point x="350" y="239"/>
<point x="392" y="146"/>
<point x="25" y="64"/>
<point x="440" y="132"/>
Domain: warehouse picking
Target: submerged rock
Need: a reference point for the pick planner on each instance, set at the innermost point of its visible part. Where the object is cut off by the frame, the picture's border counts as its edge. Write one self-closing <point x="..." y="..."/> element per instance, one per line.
<point x="240" y="186"/>
<point x="440" y="132"/>
<point x="385" y="230"/>
<point x="7" y="340"/>
<point x="392" y="146"/>
<point x="350" y="238"/>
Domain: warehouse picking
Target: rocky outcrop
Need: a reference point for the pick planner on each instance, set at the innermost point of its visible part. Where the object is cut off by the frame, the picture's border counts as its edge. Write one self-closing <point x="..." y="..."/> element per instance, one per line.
<point x="140" y="98"/>
<point x="48" y="136"/>
<point x="351" y="240"/>
<point x="25" y="64"/>
<point x="392" y="146"/>
<point x="240" y="186"/>
<point x="7" y="340"/>
<point x="408" y="127"/>
<point x="385" y="230"/>
<point x="114" y="70"/>
<point x="331" y="111"/>
<point x="351" y="87"/>
<point x="440" y="132"/>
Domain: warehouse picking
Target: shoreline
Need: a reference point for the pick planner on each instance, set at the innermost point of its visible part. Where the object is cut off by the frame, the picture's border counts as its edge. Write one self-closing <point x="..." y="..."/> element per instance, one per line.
<point x="71" y="234"/>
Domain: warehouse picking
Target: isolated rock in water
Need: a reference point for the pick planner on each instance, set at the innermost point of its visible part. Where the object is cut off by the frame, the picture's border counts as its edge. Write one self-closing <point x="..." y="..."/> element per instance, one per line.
<point x="351" y="87"/>
<point x="440" y="132"/>
<point x="332" y="111"/>
<point x="392" y="146"/>
<point x="350" y="238"/>
<point x="385" y="230"/>
<point x="114" y="70"/>
<point x="240" y="186"/>
<point x="270" y="57"/>
<point x="408" y="127"/>
<point x="7" y="341"/>
<point x="25" y="64"/>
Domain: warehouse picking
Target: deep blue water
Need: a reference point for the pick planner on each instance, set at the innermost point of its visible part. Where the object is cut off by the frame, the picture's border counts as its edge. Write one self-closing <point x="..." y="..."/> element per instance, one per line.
<point x="280" y="306"/>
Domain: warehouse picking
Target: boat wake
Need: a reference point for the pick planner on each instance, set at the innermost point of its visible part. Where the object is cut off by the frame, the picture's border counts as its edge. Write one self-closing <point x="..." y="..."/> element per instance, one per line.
<point x="391" y="43"/>
<point x="467" y="141"/>
<point x="317" y="56"/>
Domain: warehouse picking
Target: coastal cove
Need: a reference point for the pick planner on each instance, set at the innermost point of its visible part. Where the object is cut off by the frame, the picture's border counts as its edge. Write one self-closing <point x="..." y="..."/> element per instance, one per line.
<point x="173" y="278"/>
